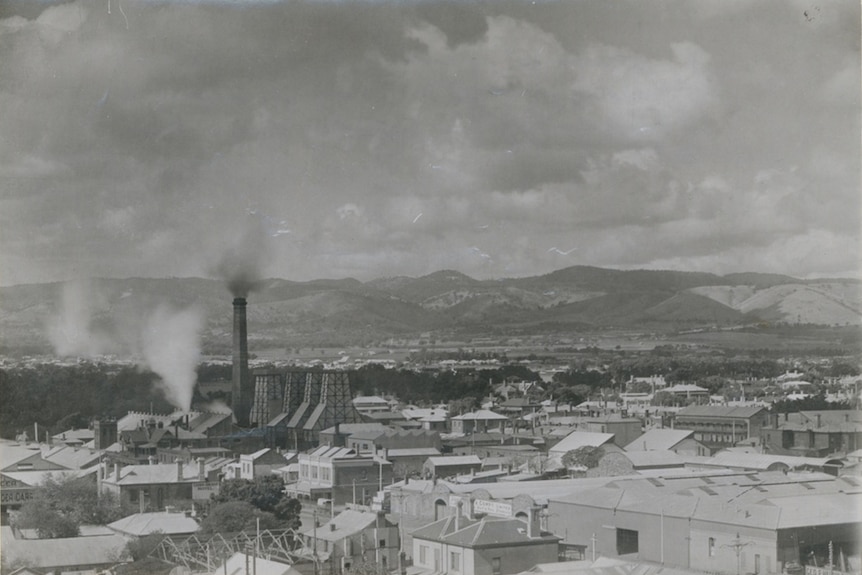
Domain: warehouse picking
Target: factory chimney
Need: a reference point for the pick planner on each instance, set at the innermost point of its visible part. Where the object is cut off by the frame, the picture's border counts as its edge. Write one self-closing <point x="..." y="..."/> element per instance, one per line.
<point x="241" y="390"/>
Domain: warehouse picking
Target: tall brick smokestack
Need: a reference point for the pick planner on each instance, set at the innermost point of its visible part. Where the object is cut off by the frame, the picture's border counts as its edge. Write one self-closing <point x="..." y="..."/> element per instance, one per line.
<point x="241" y="386"/>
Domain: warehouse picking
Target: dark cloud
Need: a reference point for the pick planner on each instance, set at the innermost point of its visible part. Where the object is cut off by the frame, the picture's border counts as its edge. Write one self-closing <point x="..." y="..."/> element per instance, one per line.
<point x="381" y="138"/>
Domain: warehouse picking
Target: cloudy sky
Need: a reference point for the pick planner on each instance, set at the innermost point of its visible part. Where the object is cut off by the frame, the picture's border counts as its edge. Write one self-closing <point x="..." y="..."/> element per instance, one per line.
<point x="370" y="139"/>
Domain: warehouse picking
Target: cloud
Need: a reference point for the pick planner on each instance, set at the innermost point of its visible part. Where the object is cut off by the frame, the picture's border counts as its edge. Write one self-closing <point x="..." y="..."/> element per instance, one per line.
<point x="510" y="127"/>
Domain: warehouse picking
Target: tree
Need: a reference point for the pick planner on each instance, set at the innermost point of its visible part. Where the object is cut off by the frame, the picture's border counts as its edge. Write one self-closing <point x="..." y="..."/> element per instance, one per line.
<point x="266" y="495"/>
<point x="585" y="457"/>
<point x="235" y="516"/>
<point x="62" y="504"/>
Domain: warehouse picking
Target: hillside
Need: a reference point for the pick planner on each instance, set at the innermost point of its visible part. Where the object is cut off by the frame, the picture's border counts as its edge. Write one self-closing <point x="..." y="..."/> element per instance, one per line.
<point x="337" y="311"/>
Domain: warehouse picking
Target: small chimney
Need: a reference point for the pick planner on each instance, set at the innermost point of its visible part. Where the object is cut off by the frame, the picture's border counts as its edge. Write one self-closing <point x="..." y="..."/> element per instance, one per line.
<point x="202" y="472"/>
<point x="332" y="526"/>
<point x="151" y="460"/>
<point x="458" y="516"/>
<point x="533" y="527"/>
<point x="179" y="463"/>
<point x="818" y="420"/>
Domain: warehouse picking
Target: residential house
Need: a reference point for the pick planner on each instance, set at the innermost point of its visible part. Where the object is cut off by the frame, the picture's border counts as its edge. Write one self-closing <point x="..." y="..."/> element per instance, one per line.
<point x="375" y="440"/>
<point x="171" y="523"/>
<point x="261" y="463"/>
<point x="679" y="441"/>
<point x="65" y="556"/>
<point x="353" y="540"/>
<point x="457" y="545"/>
<point x="451" y="465"/>
<point x="813" y="433"/>
<point x="153" y="487"/>
<point x="336" y="436"/>
<point x="482" y="420"/>
<point x="625" y="429"/>
<point x="370" y="404"/>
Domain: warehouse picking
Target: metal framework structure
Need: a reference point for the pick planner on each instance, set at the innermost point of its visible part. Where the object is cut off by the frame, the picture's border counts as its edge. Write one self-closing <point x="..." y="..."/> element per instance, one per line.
<point x="206" y="554"/>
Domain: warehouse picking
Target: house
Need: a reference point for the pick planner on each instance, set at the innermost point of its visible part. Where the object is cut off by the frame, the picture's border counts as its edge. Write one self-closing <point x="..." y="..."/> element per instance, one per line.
<point x="813" y="433"/>
<point x="72" y="555"/>
<point x="370" y="404"/>
<point x="679" y="441"/>
<point x="625" y="429"/>
<point x="486" y="546"/>
<point x="353" y="540"/>
<point x="372" y="441"/>
<point x="337" y="435"/>
<point x="687" y="393"/>
<point x="169" y="523"/>
<point x="435" y="419"/>
<point x="260" y="463"/>
<point x="153" y="486"/>
<point x="451" y="465"/>
<point x="340" y="474"/>
<point x="482" y="420"/>
<point x="578" y="439"/>
<point x="15" y="457"/>
<point x="243" y="563"/>
<point x="719" y="426"/>
<point x="409" y="461"/>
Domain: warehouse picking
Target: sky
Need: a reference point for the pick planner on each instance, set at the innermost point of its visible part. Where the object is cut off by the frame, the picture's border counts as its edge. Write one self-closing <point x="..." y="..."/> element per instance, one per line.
<point x="367" y="139"/>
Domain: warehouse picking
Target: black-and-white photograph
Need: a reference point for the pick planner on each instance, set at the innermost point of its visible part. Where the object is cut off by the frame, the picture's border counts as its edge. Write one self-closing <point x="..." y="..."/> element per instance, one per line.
<point x="430" y="287"/>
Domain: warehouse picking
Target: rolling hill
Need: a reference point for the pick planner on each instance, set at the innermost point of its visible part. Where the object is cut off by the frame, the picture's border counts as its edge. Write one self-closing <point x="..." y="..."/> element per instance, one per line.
<point x="341" y="311"/>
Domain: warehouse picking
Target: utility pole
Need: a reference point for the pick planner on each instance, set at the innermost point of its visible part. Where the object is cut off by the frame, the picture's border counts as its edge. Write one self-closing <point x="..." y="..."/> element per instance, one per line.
<point x="593" y="545"/>
<point x="737" y="545"/>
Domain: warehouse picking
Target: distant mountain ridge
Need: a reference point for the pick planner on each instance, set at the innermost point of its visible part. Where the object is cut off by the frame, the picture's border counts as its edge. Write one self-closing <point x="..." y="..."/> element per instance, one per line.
<point x="346" y="310"/>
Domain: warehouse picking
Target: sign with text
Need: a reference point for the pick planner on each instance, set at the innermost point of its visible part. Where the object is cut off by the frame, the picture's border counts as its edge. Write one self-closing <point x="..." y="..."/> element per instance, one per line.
<point x="494" y="508"/>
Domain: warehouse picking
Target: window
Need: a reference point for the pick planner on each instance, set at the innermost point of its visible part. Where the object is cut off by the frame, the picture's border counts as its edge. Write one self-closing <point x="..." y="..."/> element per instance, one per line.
<point x="455" y="561"/>
<point x="423" y="554"/>
<point x="627" y="541"/>
<point x="495" y="566"/>
<point x="711" y="546"/>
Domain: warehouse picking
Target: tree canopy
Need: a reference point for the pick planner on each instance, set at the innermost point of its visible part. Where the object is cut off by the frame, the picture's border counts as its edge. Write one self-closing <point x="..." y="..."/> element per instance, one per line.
<point x="63" y="503"/>
<point x="586" y="456"/>
<point x="265" y="494"/>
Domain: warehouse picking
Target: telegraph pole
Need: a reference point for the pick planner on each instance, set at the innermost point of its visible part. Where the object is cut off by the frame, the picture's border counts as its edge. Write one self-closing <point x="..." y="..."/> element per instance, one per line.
<point x="737" y="545"/>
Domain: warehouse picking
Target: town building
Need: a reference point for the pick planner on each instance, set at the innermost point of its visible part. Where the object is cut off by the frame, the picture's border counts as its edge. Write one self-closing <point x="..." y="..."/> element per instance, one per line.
<point x="722" y="522"/>
<point x="813" y="433"/>
<point x="170" y="522"/>
<point x="482" y="420"/>
<point x="340" y="475"/>
<point x="451" y="465"/>
<point x="488" y="546"/>
<point x="679" y="441"/>
<point x="720" y="426"/>
<point x="352" y="541"/>
<point x="154" y="486"/>
<point x="625" y="429"/>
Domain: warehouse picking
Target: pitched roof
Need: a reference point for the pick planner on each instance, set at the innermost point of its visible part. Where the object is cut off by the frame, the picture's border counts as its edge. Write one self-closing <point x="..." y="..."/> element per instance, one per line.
<point x="659" y="439"/>
<point x="66" y="552"/>
<point x="141" y="524"/>
<point x="578" y="439"/>
<point x="743" y="411"/>
<point x="345" y="524"/>
<point x="445" y="460"/>
<point x="480" y="415"/>
<point x="641" y="459"/>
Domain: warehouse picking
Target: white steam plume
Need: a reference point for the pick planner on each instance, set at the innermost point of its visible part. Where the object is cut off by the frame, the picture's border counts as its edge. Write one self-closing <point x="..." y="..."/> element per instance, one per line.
<point x="72" y="332"/>
<point x="171" y="348"/>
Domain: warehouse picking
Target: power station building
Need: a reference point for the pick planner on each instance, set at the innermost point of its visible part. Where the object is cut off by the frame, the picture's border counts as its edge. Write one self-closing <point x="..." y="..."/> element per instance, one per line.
<point x="292" y="405"/>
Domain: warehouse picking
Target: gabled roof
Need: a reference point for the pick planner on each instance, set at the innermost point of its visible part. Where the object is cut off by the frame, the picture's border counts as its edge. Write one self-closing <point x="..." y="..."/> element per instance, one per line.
<point x="659" y="439"/>
<point x="643" y="459"/>
<point x="73" y="457"/>
<point x="487" y="532"/>
<point x="236" y="565"/>
<point x="578" y="439"/>
<point x="351" y="428"/>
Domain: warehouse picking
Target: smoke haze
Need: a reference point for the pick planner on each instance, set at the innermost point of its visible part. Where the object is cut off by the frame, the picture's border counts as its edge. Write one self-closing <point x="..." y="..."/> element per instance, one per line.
<point x="242" y="264"/>
<point x="72" y="332"/>
<point x="169" y="341"/>
<point x="171" y="348"/>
